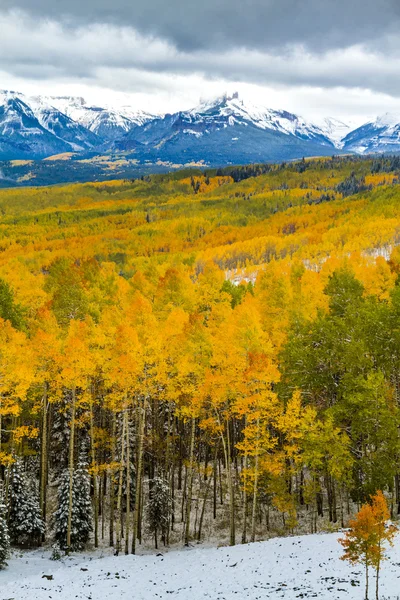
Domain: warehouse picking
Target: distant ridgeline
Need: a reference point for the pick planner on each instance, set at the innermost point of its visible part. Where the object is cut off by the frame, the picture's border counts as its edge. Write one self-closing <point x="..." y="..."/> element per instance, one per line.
<point x="75" y="168"/>
<point x="210" y="354"/>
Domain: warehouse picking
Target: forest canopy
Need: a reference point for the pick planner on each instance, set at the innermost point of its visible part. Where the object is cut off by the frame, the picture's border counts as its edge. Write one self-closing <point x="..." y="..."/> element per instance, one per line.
<point x="199" y="346"/>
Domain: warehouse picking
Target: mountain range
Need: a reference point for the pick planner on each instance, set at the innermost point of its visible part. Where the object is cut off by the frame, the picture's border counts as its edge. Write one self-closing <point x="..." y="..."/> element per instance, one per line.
<point x="226" y="130"/>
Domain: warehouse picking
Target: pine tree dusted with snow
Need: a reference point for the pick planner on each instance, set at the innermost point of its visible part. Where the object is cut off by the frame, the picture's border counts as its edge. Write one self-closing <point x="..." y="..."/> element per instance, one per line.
<point x="4" y="536"/>
<point x="26" y="525"/>
<point x="81" y="522"/>
<point x="82" y="510"/>
<point x="61" y="514"/>
<point x="159" y="508"/>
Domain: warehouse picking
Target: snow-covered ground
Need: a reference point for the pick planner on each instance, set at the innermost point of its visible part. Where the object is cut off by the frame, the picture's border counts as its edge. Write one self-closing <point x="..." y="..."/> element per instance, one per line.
<point x="294" y="567"/>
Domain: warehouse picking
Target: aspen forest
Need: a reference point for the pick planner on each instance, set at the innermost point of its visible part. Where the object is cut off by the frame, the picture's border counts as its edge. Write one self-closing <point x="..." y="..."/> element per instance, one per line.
<point x="203" y="356"/>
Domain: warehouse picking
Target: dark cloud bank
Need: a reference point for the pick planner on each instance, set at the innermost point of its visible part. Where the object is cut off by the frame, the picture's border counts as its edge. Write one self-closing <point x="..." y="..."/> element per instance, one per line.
<point x="222" y="24"/>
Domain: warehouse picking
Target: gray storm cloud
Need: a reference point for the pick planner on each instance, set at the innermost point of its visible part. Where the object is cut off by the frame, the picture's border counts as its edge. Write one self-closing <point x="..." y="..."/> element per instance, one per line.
<point x="150" y="46"/>
<point x="47" y="49"/>
<point x="224" y="24"/>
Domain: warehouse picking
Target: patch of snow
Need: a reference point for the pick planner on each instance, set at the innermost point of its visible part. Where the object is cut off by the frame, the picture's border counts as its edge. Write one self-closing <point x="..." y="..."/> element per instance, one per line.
<point x="197" y="134"/>
<point x="287" y="568"/>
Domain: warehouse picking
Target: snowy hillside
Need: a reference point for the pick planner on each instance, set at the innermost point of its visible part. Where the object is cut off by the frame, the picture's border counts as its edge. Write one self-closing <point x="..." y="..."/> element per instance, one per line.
<point x="288" y="568"/>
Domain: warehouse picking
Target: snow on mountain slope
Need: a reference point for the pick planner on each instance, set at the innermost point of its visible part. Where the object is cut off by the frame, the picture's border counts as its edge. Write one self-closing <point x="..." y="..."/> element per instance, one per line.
<point x="28" y="117"/>
<point x="17" y="115"/>
<point x="380" y="135"/>
<point x="335" y="130"/>
<point x="234" y="110"/>
<point x="225" y="131"/>
<point x="22" y="135"/>
<point x="286" y="568"/>
<point x="61" y="125"/>
<point x="107" y="122"/>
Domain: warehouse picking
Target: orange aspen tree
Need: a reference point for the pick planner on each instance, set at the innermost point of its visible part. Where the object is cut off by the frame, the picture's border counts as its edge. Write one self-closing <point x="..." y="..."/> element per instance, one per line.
<point x="365" y="541"/>
<point x="359" y="542"/>
<point x="384" y="533"/>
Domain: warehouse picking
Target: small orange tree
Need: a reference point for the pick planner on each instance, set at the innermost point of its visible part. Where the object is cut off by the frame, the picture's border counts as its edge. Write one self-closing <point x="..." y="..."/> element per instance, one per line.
<point x="384" y="533"/>
<point x="364" y="542"/>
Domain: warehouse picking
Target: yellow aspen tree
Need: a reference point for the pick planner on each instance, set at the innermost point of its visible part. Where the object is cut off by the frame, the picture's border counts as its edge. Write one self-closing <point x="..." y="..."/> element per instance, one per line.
<point x="76" y="367"/>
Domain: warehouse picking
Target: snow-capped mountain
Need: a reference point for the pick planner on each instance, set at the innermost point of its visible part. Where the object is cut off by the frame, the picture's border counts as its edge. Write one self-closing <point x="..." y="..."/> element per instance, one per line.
<point x="21" y="133"/>
<point x="232" y="110"/>
<point x="381" y="135"/>
<point x="106" y="122"/>
<point x="228" y="130"/>
<point x="31" y="128"/>
<point x="229" y="112"/>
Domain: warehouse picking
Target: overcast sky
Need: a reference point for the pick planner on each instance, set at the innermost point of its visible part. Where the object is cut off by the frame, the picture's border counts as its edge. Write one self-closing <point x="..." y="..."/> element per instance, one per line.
<point x="318" y="58"/>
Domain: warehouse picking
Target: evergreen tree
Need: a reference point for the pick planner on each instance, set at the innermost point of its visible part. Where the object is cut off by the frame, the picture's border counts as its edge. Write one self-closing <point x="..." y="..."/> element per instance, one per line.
<point x="81" y="509"/>
<point x="83" y="505"/>
<point x="61" y="514"/>
<point x="4" y="537"/>
<point x="25" y="522"/>
<point x="159" y="508"/>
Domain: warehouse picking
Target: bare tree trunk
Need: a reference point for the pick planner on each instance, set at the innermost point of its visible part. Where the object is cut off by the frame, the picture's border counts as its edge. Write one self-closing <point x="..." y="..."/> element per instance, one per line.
<point x="203" y="509"/>
<point x="255" y="492"/>
<point x="112" y="494"/>
<point x="128" y="483"/>
<point x="95" y="487"/>
<point x="43" y="454"/>
<point x="226" y="445"/>
<point x="190" y="484"/>
<point x="119" y="496"/>
<point x="71" y="467"/>
<point x="141" y="418"/>
<point x="215" y="474"/>
<point x="232" y="539"/>
<point x="244" y="531"/>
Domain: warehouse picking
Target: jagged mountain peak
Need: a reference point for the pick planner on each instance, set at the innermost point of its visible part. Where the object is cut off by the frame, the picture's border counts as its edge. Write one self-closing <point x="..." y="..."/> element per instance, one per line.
<point x="234" y="110"/>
